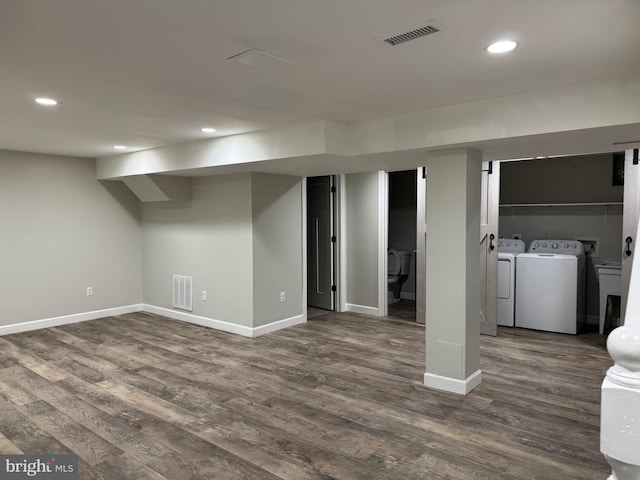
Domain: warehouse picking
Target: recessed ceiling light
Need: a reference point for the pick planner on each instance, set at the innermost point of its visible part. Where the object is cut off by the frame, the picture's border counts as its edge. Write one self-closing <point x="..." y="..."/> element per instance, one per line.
<point x="207" y="129"/>
<point x="46" y="101"/>
<point x="502" y="46"/>
<point x="120" y="147"/>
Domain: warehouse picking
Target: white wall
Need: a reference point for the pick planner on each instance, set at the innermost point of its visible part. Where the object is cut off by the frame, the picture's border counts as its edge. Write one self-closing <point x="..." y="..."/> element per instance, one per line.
<point x="362" y="239"/>
<point x="208" y="239"/>
<point x="550" y="121"/>
<point x="277" y="247"/>
<point x="63" y="231"/>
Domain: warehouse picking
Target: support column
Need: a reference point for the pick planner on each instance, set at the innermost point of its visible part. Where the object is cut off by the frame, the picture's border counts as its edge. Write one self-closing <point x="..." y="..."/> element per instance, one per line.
<point x="453" y="270"/>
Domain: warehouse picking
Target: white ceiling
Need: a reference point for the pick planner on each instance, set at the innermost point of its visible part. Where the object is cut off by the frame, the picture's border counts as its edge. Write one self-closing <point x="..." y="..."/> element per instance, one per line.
<point x="148" y="73"/>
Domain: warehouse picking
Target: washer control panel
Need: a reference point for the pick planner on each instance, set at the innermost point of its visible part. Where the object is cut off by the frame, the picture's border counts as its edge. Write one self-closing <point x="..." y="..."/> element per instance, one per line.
<point x="571" y="247"/>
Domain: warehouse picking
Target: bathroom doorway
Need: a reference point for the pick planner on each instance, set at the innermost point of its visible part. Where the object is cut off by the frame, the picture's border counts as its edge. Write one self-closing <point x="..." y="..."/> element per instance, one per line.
<point x="401" y="241"/>
<point x="321" y="242"/>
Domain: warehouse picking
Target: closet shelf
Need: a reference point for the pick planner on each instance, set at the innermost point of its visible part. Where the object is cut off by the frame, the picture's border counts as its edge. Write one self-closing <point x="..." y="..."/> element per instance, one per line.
<point x="584" y="204"/>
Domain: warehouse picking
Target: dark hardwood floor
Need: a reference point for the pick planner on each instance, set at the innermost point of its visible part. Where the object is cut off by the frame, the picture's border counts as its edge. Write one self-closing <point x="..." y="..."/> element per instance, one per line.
<point x="402" y="310"/>
<point x="140" y="396"/>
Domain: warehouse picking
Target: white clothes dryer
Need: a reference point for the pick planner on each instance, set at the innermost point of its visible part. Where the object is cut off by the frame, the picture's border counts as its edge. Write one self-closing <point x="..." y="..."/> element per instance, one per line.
<point x="550" y="289"/>
<point x="508" y="250"/>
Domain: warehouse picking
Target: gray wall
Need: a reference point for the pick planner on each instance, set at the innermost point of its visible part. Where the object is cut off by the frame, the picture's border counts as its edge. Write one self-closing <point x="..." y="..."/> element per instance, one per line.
<point x="402" y="221"/>
<point x="240" y="238"/>
<point x="565" y="180"/>
<point x="208" y="239"/>
<point x="277" y="247"/>
<point x="362" y="239"/>
<point x="63" y="231"/>
<point x="453" y="281"/>
<point x="584" y="178"/>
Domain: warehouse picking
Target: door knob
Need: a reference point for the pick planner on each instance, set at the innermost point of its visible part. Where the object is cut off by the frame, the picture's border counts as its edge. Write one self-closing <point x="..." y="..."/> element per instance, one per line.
<point x="628" y="241"/>
<point x="492" y="237"/>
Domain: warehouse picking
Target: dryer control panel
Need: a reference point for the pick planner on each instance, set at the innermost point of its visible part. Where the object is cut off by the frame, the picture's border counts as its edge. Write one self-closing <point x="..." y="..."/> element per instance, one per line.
<point x="571" y="247"/>
<point x="510" y="245"/>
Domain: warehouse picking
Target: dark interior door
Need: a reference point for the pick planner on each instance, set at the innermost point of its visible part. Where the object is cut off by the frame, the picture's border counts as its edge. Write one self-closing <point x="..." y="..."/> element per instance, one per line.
<point x="320" y="247"/>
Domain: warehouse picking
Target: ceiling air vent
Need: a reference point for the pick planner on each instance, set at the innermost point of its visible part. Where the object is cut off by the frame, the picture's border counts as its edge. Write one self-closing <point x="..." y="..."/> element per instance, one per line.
<point x="400" y="38"/>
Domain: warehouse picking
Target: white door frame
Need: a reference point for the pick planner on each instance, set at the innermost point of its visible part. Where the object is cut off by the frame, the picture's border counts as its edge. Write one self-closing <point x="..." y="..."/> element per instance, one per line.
<point x="383" y="237"/>
<point x="339" y="263"/>
<point x="630" y="215"/>
<point x="383" y="242"/>
<point x="421" y="246"/>
<point x="341" y="247"/>
<point x="303" y="226"/>
<point x="489" y="220"/>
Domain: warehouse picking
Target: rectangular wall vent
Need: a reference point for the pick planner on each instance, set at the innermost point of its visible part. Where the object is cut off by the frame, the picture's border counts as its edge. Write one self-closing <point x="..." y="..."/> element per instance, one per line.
<point x="182" y="293"/>
<point x="400" y="38"/>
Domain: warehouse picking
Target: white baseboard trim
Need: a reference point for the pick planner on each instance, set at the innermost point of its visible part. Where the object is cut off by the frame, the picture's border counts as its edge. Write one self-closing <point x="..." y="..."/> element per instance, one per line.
<point x="408" y="296"/>
<point x="250" y="332"/>
<point x="67" y="319"/>
<point x="352" y="307"/>
<point x="279" y="325"/>
<point x="174" y="314"/>
<point x="198" y="320"/>
<point x="461" y="387"/>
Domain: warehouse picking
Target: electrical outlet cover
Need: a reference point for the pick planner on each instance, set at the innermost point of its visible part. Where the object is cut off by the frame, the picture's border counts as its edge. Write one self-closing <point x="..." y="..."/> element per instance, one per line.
<point x="591" y="246"/>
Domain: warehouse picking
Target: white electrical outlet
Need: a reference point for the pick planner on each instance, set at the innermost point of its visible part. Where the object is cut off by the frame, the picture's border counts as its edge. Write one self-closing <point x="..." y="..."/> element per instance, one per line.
<point x="204" y="295"/>
<point x="282" y="296"/>
<point x="591" y="245"/>
<point x="89" y="291"/>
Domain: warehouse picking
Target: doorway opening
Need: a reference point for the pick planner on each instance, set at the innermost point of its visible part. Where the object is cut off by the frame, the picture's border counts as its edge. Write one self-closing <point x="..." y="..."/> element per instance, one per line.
<point x="581" y="198"/>
<point x="321" y="244"/>
<point x="401" y="242"/>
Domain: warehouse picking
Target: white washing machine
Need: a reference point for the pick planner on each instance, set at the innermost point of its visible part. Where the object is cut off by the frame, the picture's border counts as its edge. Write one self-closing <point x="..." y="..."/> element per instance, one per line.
<point x="550" y="290"/>
<point x="508" y="250"/>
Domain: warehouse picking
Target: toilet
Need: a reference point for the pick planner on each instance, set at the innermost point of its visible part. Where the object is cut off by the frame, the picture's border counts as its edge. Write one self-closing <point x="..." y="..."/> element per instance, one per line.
<point x="398" y="264"/>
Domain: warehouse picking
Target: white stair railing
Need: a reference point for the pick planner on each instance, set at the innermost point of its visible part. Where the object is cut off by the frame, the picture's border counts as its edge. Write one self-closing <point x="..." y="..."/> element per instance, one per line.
<point x="620" y="406"/>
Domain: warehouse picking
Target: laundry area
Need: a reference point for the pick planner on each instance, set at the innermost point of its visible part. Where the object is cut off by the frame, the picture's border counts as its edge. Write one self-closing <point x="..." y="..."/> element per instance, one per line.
<point x="559" y="246"/>
<point x="558" y="238"/>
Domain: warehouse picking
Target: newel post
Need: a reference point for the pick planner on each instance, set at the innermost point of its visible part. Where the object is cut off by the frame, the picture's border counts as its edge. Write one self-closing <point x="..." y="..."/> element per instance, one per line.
<point x="620" y="406"/>
<point x="620" y="410"/>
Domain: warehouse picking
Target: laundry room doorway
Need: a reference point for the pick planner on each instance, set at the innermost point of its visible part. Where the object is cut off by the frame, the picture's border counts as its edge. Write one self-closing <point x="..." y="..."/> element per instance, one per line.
<point x="590" y="198"/>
